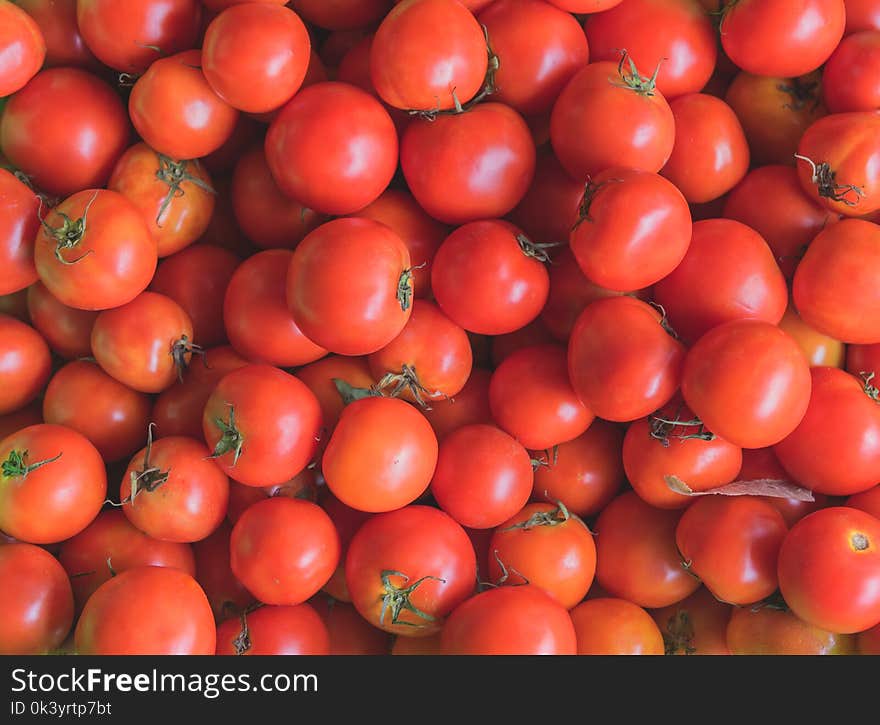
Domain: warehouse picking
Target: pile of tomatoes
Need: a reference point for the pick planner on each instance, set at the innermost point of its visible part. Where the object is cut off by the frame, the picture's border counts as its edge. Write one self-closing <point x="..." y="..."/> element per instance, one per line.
<point x="440" y="326"/>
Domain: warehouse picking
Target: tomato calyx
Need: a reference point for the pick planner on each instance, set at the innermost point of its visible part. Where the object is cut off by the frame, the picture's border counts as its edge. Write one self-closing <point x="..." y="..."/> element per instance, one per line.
<point x="231" y="439"/>
<point x="591" y="189"/>
<point x="678" y="636"/>
<point x="546" y="459"/>
<point x="537" y="250"/>
<point x="149" y="477"/>
<point x="397" y="599"/>
<point x="825" y="179"/>
<point x="408" y="379"/>
<point x="662" y="429"/>
<point x="664" y="320"/>
<point x="506" y="572"/>
<point x="557" y="516"/>
<point x="871" y="390"/>
<point x="174" y="174"/>
<point x="349" y="393"/>
<point x="405" y="288"/>
<point x="774" y="601"/>
<point x="16" y="464"/>
<point x="802" y="93"/>
<point x="180" y="349"/>
<point x="69" y="234"/>
<point x="633" y="80"/>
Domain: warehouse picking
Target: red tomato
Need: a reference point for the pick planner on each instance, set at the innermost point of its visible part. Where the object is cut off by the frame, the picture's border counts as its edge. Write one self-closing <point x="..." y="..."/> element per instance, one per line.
<point x="241" y="498"/>
<point x="255" y="56"/>
<point x="67" y="330"/>
<point x="110" y="545"/>
<point x="333" y="148"/>
<point x="341" y="14"/>
<point x="488" y="278"/>
<point x="636" y="556"/>
<point x="428" y="54"/>
<point x="677" y="35"/>
<point x="862" y="15"/>
<point x="57" y="22"/>
<point x="521" y="620"/>
<point x="22" y="48"/>
<point x="176" y="112"/>
<point x="381" y="455"/>
<point x="180" y="620"/>
<point x="748" y="382"/>
<point x="610" y="115"/>
<point x="469" y="406"/>
<point x="262" y="424"/>
<point x="476" y="164"/>
<point x="622" y="251"/>
<point x="829" y="570"/>
<point x="849" y="79"/>
<point x="319" y="378"/>
<point x="819" y="349"/>
<point x="38" y="603"/>
<point x="695" y="625"/>
<point x="486" y="494"/>
<point x="622" y="363"/>
<point x="407" y="569"/>
<point x="585" y="6"/>
<point x="771" y="631"/>
<point x="608" y="626"/>
<point x="349" y="286"/>
<point x="284" y="630"/>
<point x="258" y="322"/>
<point x="49" y="130"/>
<point x="226" y="594"/>
<point x="863" y="359"/>
<point x="26" y="364"/>
<point x="778" y="38"/>
<point x="350" y="633"/>
<point x="19" y="222"/>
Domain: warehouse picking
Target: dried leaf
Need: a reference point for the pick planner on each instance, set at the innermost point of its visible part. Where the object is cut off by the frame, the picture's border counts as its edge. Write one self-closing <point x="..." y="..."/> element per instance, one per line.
<point x="773" y="487"/>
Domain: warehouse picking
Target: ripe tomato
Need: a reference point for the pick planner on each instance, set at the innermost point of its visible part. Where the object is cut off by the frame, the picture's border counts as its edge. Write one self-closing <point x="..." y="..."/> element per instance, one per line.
<point x="22" y="48"/>
<point x="349" y="286"/>
<point x="350" y="633"/>
<point x="834" y="288"/>
<point x="469" y="406"/>
<point x="604" y="96"/>
<point x="829" y="570"/>
<point x="258" y="322"/>
<point x="770" y="631"/>
<point x="381" y="455"/>
<point x="607" y="626"/>
<point x="52" y="483"/>
<point x="262" y="424"/>
<point x="57" y="22"/>
<point x="819" y="349"/>
<point x="469" y="165"/>
<point x="26" y="364"/>
<point x="489" y="278"/>
<point x="226" y="594"/>
<point x="67" y="330"/>
<point x="622" y="251"/>
<point x="695" y="625"/>
<point x="341" y="14"/>
<point x="427" y="54"/>
<point x="407" y="569"/>
<point x="748" y="381"/>
<point x="585" y="6"/>
<point x="862" y="15"/>
<point x="176" y="112"/>
<point x="622" y="363"/>
<point x="849" y="77"/>
<point x="48" y="130"/>
<point x="95" y="251"/>
<point x="280" y="630"/>
<point x="110" y="545"/>
<point x="522" y="620"/>
<point x="180" y="620"/>
<point x="333" y="148"/>
<point x="38" y="602"/>
<point x="319" y="378"/>
<point x="19" y="222"/>
<point x="778" y="38"/>
<point x="677" y="35"/>
<point x="483" y="476"/>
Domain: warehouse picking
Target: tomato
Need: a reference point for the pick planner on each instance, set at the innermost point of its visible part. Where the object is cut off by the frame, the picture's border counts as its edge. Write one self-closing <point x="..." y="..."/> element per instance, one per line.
<point x="174" y="109"/>
<point x="407" y="569"/>
<point x="255" y="56"/>
<point x="778" y="38"/>
<point x="585" y="6"/>
<point x="262" y="424"/>
<point x="428" y="54"/>
<point x="636" y="556"/>
<point x="22" y="48"/>
<point x="868" y="501"/>
<point x="196" y="278"/>
<point x="226" y="594"/>
<point x="695" y="625"/>
<point x="284" y="550"/>
<point x="319" y="378"/>
<point x="862" y="15"/>
<point x="333" y="148"/>
<point x="622" y="251"/>
<point x="110" y="545"/>
<point x="622" y="363"/>
<point x="57" y="22"/>
<point x="510" y="620"/>
<point x="469" y="406"/>
<point x="849" y="77"/>
<point x="38" y="602"/>
<point x="771" y="631"/>
<point x="302" y="486"/>
<point x="819" y="349"/>
<point x="220" y="5"/>
<point x="179" y="622"/>
<point x="26" y="364"/>
<point x="608" y="116"/>
<point x="19" y="222"/>
<point x="420" y="233"/>
<point x="258" y="322"/>
<point x="381" y="455"/>
<point x="175" y="197"/>
<point x="677" y="35"/>
<point x="266" y="216"/>
<point x="838" y="162"/>
<point x="95" y="251"/>
<point x="52" y="483"/>
<point x="279" y="630"/>
<point x="48" y="130"/>
<point x="341" y="14"/>
<point x="539" y="48"/>
<point x="789" y="224"/>
<point x="349" y="286"/>
<point x="476" y="164"/>
<point x="488" y="278"/>
<point x="748" y="381"/>
<point x="607" y="626"/>
<point x="829" y="570"/>
<point x="863" y="359"/>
